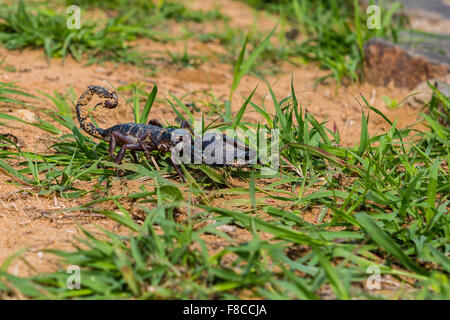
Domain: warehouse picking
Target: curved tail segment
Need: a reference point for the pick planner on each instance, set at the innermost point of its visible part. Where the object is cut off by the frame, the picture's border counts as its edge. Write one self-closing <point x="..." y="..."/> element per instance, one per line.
<point x="82" y="111"/>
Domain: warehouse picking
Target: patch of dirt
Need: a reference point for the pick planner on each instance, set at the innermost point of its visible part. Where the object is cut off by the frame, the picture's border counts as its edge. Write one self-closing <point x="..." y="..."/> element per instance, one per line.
<point x="27" y="220"/>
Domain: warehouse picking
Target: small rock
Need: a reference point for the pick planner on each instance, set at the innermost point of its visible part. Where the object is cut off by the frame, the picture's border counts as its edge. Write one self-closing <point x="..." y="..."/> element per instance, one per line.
<point x="226" y="228"/>
<point x="25" y="115"/>
<point x="52" y="78"/>
<point x="385" y="63"/>
<point x="373" y="96"/>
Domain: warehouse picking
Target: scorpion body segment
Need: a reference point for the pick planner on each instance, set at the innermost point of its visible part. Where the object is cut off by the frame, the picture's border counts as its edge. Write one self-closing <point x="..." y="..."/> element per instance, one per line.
<point x="153" y="136"/>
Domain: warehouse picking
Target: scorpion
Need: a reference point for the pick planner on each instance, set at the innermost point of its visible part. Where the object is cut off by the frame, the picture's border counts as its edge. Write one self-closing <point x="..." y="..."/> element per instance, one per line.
<point x="154" y="136"/>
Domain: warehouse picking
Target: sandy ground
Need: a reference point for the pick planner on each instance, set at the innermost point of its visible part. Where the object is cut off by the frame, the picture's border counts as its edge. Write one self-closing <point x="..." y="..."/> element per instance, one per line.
<point x="27" y="220"/>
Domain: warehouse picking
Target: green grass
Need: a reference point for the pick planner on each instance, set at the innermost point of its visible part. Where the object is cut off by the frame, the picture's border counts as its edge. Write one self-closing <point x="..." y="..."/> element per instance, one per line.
<point x="184" y="59"/>
<point x="24" y="26"/>
<point x="391" y="212"/>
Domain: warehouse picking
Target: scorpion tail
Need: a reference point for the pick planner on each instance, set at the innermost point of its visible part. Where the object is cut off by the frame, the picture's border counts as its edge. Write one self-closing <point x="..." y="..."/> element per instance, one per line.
<point x="82" y="113"/>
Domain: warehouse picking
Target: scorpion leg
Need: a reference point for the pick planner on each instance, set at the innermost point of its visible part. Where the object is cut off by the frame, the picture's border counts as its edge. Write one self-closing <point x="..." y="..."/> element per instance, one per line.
<point x="126" y="144"/>
<point x="155" y="122"/>
<point x="146" y="149"/>
<point x="177" y="168"/>
<point x="186" y="125"/>
<point x="118" y="159"/>
<point x="163" y="146"/>
<point x="133" y="154"/>
<point x="112" y="144"/>
<point x="166" y="146"/>
<point x="125" y="147"/>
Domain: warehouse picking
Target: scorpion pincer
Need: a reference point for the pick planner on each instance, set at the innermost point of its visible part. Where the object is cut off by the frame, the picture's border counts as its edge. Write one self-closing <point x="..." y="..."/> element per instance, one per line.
<point x="153" y="136"/>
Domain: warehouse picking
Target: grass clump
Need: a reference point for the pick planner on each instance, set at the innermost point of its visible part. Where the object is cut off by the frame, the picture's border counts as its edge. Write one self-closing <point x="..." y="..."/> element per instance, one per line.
<point x="22" y="27"/>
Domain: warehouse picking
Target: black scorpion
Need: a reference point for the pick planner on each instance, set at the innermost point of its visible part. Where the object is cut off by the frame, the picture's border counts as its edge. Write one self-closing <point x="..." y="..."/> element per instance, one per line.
<point x="153" y="136"/>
